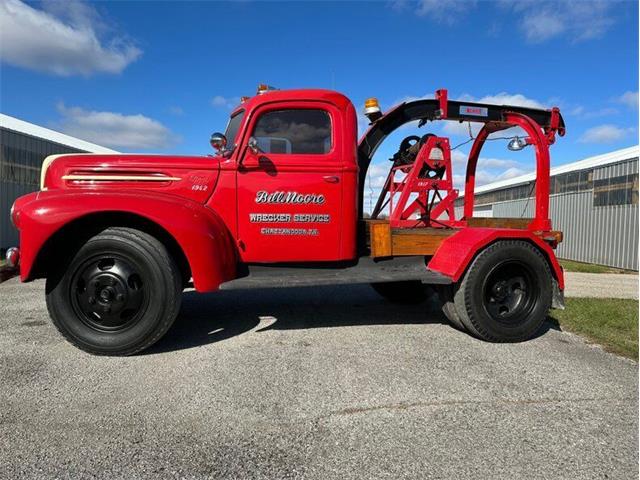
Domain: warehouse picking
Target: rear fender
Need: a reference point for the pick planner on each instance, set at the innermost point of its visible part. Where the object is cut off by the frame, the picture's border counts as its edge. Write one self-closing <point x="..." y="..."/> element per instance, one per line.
<point x="456" y="253"/>
<point x="198" y="231"/>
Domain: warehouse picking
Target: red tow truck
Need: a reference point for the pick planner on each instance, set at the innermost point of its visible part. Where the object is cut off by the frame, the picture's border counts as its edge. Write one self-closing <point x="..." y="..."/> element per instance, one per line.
<point x="118" y="237"/>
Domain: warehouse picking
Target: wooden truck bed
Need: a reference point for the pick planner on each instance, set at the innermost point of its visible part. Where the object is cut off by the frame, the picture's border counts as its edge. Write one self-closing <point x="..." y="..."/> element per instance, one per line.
<point x="385" y="241"/>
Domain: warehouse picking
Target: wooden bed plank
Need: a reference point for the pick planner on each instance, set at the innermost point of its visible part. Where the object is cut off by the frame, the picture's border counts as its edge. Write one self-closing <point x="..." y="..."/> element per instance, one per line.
<point x="387" y="242"/>
<point x="489" y="222"/>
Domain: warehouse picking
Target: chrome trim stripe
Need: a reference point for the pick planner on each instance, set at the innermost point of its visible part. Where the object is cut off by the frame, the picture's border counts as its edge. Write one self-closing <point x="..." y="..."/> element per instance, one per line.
<point x="143" y="178"/>
<point x="51" y="158"/>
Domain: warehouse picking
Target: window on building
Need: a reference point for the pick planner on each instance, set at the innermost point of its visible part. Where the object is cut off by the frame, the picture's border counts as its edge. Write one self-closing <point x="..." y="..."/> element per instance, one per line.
<point x="620" y="190"/>
<point x="20" y="166"/>
<point x="21" y="156"/>
<point x="572" y="182"/>
<point x="306" y="131"/>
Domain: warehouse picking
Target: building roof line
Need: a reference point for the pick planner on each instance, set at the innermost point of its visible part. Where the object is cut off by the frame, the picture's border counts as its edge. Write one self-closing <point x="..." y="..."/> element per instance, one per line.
<point x="20" y="126"/>
<point x="587" y="163"/>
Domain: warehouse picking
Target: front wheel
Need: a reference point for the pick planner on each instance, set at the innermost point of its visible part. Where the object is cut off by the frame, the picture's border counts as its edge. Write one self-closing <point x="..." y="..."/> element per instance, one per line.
<point x="505" y="294"/>
<point x="119" y="295"/>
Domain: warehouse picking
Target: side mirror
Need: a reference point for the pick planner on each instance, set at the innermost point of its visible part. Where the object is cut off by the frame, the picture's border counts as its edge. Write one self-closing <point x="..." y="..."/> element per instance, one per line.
<point x="253" y="145"/>
<point x="218" y="141"/>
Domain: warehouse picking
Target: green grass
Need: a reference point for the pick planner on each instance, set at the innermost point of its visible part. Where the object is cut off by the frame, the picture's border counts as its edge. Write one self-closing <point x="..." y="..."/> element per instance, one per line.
<point x="571" y="266"/>
<point x="610" y="322"/>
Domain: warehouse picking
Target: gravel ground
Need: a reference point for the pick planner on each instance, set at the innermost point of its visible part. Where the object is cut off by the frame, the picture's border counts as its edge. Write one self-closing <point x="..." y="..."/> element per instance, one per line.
<point x="320" y="383"/>
<point x="601" y="285"/>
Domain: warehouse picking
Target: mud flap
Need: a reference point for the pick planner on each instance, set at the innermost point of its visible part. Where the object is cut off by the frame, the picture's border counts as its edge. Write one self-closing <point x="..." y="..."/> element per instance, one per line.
<point x="557" y="296"/>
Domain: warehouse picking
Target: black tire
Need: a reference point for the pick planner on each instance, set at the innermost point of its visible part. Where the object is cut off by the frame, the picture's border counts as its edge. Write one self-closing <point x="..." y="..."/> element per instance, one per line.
<point x="445" y="292"/>
<point x="119" y="295"/>
<point x="505" y="294"/>
<point x="410" y="292"/>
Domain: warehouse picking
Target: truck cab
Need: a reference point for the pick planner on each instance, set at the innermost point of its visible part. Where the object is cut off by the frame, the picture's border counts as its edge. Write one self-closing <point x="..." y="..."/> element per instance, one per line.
<point x="292" y="158"/>
<point x="118" y="237"/>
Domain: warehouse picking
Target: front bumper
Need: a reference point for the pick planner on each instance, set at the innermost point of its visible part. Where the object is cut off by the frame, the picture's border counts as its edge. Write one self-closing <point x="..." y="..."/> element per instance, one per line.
<point x="13" y="258"/>
<point x="12" y="267"/>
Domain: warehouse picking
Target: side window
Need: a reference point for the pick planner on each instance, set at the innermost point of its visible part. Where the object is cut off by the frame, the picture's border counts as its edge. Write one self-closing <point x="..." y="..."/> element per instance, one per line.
<point x="294" y="131"/>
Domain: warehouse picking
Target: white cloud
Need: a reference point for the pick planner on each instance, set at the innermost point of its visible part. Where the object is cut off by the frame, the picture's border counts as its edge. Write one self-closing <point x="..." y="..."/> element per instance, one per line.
<point x="62" y="40"/>
<point x="577" y="19"/>
<point x="484" y="162"/>
<point x="453" y="128"/>
<point x="539" y="21"/>
<point x="489" y="170"/>
<point x="577" y="111"/>
<point x="363" y="123"/>
<point x="484" y="177"/>
<point x="630" y="99"/>
<point x="444" y="11"/>
<point x="604" y="134"/>
<point x="114" y="129"/>
<point x="585" y="113"/>
<point x="441" y="11"/>
<point x="458" y="129"/>
<point x="459" y="160"/>
<point x="542" y="26"/>
<point x="463" y="129"/>
<point x="502" y="98"/>
<point x="505" y="98"/>
<point x="377" y="175"/>
<point x="225" y="102"/>
<point x="512" y="172"/>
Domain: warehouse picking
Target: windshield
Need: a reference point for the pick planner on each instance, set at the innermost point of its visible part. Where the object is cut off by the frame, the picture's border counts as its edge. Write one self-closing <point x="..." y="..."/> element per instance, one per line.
<point x="232" y="128"/>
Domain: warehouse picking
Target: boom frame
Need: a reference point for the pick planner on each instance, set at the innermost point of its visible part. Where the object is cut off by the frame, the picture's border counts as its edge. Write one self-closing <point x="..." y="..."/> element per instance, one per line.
<point x="540" y="126"/>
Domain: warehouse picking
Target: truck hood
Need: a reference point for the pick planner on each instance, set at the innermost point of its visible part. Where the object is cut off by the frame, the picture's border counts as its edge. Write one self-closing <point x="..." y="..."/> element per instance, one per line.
<point x="193" y="177"/>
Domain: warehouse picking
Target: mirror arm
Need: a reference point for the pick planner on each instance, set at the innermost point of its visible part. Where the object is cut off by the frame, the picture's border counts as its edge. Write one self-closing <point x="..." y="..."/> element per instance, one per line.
<point x="226" y="153"/>
<point x="252" y="144"/>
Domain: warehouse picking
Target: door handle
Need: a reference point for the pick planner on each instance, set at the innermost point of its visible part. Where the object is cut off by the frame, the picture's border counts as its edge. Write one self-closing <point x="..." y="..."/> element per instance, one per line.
<point x="331" y="178"/>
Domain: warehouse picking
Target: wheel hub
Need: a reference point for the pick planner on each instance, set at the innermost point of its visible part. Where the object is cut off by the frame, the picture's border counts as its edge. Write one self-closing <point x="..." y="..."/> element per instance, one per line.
<point x="509" y="292"/>
<point x="109" y="293"/>
<point x="500" y="290"/>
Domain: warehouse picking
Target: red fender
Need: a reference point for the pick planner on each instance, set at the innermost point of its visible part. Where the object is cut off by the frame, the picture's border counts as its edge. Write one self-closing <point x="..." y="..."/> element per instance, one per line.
<point x="200" y="233"/>
<point x="457" y="251"/>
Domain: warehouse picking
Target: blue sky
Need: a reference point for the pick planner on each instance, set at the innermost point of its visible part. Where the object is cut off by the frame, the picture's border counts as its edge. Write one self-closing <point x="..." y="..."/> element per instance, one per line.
<point x="160" y="77"/>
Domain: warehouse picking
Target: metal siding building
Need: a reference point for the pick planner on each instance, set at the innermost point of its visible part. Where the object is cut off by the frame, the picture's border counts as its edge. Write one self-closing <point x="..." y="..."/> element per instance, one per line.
<point x="23" y="148"/>
<point x="594" y="202"/>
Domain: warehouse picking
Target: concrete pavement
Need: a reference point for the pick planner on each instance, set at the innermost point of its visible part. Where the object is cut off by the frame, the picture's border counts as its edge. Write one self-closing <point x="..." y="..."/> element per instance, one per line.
<point x="319" y="383"/>
<point x="601" y="285"/>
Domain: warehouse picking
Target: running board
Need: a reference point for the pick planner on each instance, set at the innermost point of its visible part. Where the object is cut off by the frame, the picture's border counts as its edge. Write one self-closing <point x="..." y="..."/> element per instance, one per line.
<point x="367" y="270"/>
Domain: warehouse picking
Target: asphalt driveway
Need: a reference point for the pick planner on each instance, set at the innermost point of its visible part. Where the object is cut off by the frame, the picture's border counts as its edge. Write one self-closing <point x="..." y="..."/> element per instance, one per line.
<point x="310" y="383"/>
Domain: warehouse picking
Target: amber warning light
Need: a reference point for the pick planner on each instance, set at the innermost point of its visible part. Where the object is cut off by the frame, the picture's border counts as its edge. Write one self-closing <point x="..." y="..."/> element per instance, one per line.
<point x="262" y="88"/>
<point x="372" y="109"/>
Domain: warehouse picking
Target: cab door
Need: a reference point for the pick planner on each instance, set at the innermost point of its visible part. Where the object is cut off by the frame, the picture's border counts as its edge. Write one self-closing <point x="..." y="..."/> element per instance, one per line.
<point x="289" y="184"/>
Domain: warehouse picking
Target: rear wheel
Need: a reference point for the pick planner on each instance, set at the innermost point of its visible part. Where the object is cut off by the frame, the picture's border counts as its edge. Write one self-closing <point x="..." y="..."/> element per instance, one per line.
<point x="119" y="295"/>
<point x="505" y="294"/>
<point x="410" y="292"/>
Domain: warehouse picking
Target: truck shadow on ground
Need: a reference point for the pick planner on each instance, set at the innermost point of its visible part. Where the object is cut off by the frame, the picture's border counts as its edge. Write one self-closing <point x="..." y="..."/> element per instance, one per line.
<point x="209" y="318"/>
